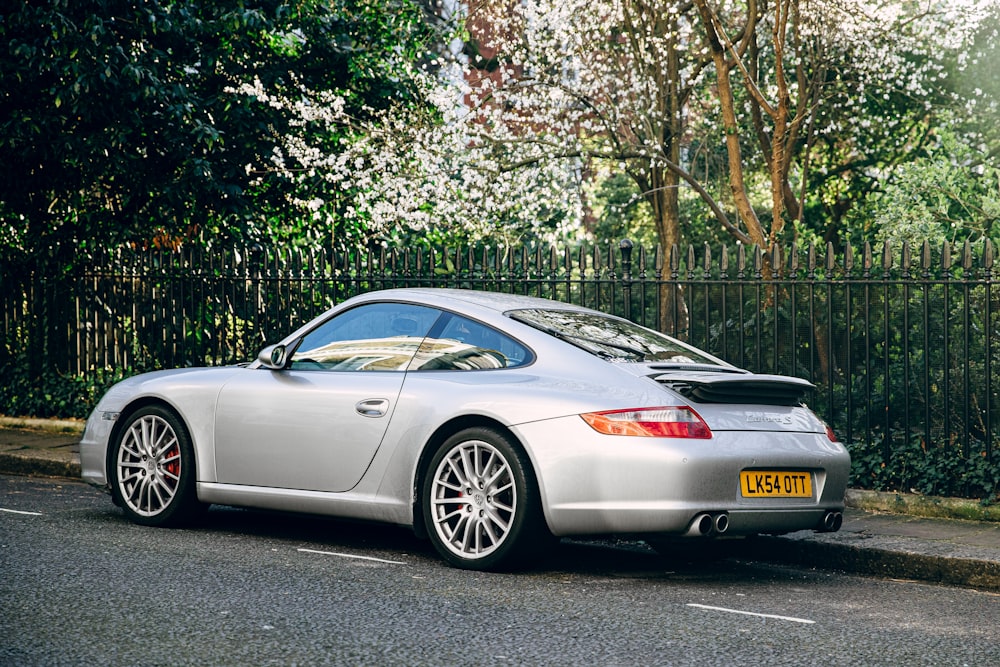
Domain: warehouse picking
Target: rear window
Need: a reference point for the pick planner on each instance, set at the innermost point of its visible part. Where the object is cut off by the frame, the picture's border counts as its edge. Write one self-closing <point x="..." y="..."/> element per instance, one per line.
<point x="609" y="337"/>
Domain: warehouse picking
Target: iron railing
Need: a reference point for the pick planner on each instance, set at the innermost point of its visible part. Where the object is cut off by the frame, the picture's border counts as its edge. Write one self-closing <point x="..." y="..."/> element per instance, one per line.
<point x="902" y="344"/>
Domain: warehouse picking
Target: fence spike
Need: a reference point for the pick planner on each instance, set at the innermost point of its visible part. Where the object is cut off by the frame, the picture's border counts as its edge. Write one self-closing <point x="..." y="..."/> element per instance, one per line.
<point x="925" y="257"/>
<point x="724" y="261"/>
<point x="848" y="258"/>
<point x="988" y="255"/>
<point x="946" y="256"/>
<point x="741" y="260"/>
<point x="831" y="259"/>
<point x="706" y="263"/>
<point x="967" y="257"/>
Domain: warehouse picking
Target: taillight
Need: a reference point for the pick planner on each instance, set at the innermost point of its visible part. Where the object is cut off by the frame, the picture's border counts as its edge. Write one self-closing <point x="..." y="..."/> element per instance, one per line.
<point x="830" y="434"/>
<point x="664" y="422"/>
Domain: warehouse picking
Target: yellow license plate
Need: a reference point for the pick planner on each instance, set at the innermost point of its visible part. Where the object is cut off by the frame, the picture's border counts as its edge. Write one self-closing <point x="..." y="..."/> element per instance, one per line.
<point x="775" y="484"/>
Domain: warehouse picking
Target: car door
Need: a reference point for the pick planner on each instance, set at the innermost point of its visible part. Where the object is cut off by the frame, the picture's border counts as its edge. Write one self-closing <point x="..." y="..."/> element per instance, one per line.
<point x="316" y="424"/>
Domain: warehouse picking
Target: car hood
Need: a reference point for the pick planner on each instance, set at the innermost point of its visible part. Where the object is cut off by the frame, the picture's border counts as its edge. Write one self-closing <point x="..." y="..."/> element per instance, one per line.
<point x="156" y="383"/>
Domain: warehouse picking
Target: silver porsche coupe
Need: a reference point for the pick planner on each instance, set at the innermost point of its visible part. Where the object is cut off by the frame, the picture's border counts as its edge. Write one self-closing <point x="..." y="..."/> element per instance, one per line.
<point x="492" y="424"/>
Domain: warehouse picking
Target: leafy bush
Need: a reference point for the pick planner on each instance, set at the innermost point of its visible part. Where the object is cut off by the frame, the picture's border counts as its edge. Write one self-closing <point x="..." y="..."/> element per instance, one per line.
<point x="53" y="394"/>
<point x="916" y="467"/>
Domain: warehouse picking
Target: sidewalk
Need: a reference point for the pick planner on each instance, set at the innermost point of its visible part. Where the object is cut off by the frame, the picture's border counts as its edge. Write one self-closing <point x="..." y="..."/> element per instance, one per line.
<point x="876" y="539"/>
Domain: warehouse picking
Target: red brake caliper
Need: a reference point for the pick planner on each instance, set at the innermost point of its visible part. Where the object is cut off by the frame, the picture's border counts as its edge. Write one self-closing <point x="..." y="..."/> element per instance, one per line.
<point x="174" y="466"/>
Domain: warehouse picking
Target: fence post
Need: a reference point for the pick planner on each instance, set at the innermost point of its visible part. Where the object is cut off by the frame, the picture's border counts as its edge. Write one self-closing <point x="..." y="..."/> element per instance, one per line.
<point x="625" y="246"/>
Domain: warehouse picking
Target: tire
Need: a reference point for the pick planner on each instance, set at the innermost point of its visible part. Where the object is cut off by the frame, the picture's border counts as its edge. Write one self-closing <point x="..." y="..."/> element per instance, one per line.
<point x="153" y="470"/>
<point x="480" y="503"/>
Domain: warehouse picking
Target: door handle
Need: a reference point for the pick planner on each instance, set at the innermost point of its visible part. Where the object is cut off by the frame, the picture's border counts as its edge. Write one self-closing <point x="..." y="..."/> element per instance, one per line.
<point x="372" y="407"/>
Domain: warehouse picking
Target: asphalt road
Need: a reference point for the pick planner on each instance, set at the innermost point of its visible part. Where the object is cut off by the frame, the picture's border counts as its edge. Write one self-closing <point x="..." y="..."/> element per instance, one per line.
<point x="81" y="586"/>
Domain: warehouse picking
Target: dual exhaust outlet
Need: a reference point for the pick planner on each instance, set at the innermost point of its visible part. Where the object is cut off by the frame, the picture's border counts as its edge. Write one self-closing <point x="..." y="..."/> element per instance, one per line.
<point x="713" y="525"/>
<point x="709" y="525"/>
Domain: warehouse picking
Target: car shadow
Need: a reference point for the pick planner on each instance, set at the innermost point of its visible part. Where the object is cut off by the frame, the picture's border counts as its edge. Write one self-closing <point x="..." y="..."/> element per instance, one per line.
<point x="610" y="557"/>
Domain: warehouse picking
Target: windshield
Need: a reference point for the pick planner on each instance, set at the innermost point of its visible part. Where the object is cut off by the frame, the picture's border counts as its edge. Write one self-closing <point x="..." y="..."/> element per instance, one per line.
<point x="609" y="337"/>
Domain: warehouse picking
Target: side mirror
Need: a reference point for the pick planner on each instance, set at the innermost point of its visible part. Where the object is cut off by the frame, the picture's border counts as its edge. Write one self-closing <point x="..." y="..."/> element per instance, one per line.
<point x="274" y="357"/>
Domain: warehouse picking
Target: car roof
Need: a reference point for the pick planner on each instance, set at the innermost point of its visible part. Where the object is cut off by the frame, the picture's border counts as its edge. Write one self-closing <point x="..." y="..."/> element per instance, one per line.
<point x="496" y="301"/>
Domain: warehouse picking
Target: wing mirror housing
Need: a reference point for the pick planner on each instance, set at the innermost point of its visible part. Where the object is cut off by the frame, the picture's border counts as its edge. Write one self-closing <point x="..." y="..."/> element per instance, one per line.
<point x="274" y="357"/>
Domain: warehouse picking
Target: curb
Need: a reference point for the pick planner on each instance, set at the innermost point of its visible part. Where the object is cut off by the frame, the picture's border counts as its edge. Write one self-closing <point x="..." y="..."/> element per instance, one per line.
<point x="42" y="461"/>
<point x="50" y="425"/>
<point x="874" y="561"/>
<point x="32" y="465"/>
<point x="931" y="507"/>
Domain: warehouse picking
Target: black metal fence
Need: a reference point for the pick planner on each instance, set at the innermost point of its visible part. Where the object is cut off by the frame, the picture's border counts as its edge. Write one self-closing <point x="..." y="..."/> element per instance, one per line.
<point x="903" y="344"/>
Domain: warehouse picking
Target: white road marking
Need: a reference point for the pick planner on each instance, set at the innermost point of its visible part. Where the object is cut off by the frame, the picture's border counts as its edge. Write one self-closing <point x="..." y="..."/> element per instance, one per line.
<point x="331" y="553"/>
<point x="2" y="509"/>
<point x="751" y="613"/>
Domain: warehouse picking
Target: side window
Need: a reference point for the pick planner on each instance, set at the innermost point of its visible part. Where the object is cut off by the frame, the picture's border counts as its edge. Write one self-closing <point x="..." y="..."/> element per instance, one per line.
<point x="372" y="337"/>
<point x="464" y="344"/>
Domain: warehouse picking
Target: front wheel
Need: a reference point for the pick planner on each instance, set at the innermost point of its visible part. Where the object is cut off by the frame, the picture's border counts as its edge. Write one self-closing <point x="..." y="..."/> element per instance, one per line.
<point x="153" y="470"/>
<point x="480" y="502"/>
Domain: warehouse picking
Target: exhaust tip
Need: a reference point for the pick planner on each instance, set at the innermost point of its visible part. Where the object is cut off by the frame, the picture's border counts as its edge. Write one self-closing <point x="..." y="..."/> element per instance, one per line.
<point x="720" y="524"/>
<point x="832" y="521"/>
<point x="700" y="525"/>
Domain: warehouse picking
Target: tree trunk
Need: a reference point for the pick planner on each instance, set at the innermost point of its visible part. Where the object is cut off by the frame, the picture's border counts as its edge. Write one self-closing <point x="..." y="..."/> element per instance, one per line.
<point x="737" y="185"/>
<point x="664" y="198"/>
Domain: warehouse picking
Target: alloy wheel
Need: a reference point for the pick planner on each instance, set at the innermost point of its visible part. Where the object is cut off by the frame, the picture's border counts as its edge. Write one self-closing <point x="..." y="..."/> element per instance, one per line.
<point x="149" y="465"/>
<point x="473" y="499"/>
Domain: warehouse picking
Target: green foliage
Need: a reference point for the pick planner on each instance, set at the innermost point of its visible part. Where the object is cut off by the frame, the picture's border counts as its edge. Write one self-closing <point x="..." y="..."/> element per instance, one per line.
<point x="950" y="195"/>
<point x="622" y="212"/>
<point x="54" y="394"/>
<point x="126" y="126"/>
<point x="915" y="466"/>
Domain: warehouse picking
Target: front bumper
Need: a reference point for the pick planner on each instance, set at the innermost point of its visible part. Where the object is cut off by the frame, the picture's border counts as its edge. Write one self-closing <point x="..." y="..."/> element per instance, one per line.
<point x="94" y="447"/>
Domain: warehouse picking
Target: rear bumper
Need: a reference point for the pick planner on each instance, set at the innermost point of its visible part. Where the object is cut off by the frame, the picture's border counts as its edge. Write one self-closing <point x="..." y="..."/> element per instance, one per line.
<point x="597" y="484"/>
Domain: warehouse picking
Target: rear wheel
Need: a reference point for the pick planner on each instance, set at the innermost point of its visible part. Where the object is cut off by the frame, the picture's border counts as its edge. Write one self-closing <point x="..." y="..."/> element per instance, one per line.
<point x="153" y="470"/>
<point x="481" y="504"/>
